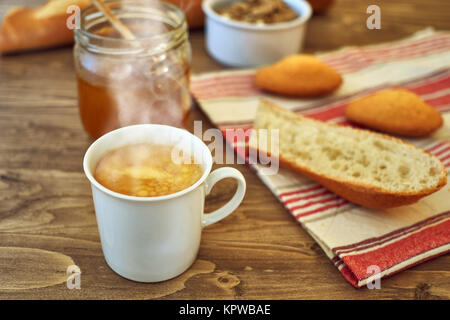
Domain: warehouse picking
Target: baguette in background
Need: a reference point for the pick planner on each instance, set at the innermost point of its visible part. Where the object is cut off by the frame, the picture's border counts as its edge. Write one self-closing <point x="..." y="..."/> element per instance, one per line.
<point x="192" y="10"/>
<point x="367" y="168"/>
<point x="26" y="28"/>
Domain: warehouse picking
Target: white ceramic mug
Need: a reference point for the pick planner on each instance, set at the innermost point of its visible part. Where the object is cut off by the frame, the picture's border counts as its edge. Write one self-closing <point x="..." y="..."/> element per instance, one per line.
<point x="152" y="239"/>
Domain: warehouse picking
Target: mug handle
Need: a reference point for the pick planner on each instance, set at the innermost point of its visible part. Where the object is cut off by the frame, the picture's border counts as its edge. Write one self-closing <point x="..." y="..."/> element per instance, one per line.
<point x="213" y="178"/>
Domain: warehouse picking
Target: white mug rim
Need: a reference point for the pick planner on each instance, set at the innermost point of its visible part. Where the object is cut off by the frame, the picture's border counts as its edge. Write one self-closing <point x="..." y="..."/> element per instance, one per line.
<point x="206" y="167"/>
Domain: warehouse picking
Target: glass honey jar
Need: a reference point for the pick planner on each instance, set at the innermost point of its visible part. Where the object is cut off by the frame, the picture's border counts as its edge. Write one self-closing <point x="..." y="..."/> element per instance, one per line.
<point x="123" y="82"/>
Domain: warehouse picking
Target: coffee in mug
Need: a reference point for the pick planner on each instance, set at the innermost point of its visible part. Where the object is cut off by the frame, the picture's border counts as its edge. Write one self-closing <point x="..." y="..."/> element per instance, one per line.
<point x="146" y="170"/>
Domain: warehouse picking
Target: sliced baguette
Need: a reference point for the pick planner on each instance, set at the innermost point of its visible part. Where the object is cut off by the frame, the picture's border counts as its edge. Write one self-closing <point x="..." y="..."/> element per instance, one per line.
<point x="367" y="168"/>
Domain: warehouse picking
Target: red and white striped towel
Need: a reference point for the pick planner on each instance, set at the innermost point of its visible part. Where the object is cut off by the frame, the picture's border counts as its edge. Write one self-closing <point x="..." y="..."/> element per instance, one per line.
<point x="355" y="238"/>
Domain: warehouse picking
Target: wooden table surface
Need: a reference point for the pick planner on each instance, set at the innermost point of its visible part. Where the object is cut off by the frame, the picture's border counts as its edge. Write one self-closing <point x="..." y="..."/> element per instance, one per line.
<point x="47" y="219"/>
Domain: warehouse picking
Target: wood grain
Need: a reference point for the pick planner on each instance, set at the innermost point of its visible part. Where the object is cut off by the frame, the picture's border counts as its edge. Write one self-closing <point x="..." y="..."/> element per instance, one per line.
<point x="16" y="262"/>
<point x="259" y="252"/>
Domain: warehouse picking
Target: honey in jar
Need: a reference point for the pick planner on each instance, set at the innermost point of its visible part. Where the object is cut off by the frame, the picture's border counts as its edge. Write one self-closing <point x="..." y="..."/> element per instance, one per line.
<point x="124" y="82"/>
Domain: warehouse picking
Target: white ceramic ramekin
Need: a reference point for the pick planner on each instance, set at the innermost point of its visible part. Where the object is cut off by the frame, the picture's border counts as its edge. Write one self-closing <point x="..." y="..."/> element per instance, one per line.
<point x="242" y="44"/>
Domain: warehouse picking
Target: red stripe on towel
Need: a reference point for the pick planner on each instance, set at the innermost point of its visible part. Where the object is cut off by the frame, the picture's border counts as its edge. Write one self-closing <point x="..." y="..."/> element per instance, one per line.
<point x="436" y="146"/>
<point x="445" y="158"/>
<point x="311" y="203"/>
<point x="303" y="190"/>
<point x="395" y="47"/>
<point x="399" y="251"/>
<point x="442" y="151"/>
<point x="311" y="196"/>
<point x="377" y="241"/>
<point x="321" y="209"/>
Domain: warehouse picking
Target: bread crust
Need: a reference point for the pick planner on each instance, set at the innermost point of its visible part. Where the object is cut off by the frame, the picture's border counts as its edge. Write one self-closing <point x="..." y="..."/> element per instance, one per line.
<point x="301" y="75"/>
<point x="24" y="29"/>
<point x="359" y="193"/>
<point x="395" y="111"/>
<point x="364" y="194"/>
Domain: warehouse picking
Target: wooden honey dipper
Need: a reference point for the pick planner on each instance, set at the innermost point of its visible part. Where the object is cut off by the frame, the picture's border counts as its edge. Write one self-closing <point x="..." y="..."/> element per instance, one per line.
<point x="115" y="22"/>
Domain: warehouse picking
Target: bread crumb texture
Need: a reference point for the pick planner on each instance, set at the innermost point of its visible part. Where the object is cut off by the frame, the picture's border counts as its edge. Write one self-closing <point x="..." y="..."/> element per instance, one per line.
<point x="350" y="155"/>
